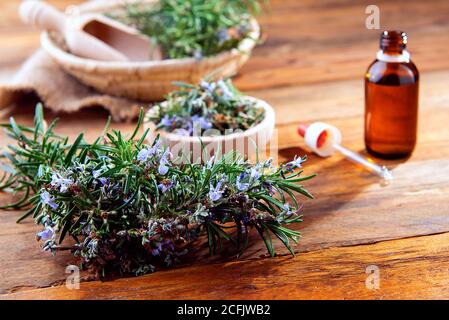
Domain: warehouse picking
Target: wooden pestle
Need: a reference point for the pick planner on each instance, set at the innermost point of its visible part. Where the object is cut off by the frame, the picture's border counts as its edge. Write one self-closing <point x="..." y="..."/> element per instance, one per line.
<point x="100" y="38"/>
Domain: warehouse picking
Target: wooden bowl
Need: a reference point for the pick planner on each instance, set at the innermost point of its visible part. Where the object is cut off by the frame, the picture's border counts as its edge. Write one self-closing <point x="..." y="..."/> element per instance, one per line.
<point x="149" y="80"/>
<point x="201" y="148"/>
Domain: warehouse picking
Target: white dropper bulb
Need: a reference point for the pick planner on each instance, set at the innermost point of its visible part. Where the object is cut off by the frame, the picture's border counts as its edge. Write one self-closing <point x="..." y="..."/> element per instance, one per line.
<point x="325" y="139"/>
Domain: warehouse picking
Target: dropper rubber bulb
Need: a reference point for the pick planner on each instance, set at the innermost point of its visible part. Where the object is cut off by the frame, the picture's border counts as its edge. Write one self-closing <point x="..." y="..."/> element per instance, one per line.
<point x="325" y="139"/>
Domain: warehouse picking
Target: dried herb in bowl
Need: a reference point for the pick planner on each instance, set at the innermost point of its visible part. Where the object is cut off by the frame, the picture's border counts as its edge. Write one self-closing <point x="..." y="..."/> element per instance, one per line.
<point x="193" y="28"/>
<point x="209" y="105"/>
<point x="130" y="208"/>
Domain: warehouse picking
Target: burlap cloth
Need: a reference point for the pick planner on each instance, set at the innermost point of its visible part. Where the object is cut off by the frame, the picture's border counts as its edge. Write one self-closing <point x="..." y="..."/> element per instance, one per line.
<point x="61" y="92"/>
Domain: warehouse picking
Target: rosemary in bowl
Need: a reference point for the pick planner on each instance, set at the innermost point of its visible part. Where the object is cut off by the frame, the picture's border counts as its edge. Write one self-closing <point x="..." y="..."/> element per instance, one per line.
<point x="130" y="208"/>
<point x="193" y="28"/>
<point x="209" y="105"/>
<point x="212" y="118"/>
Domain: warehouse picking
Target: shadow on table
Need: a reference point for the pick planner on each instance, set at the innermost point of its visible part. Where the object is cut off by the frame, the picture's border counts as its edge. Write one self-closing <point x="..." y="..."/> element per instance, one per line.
<point x="338" y="183"/>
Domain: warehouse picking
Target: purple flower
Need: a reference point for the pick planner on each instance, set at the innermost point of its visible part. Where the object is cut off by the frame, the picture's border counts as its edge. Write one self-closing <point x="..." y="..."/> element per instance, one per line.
<point x="208" y="86"/>
<point x="204" y="124"/>
<point x="92" y="248"/>
<point x="215" y="193"/>
<point x="163" y="164"/>
<point x="163" y="168"/>
<point x="297" y="162"/>
<point x="242" y="186"/>
<point x="287" y="210"/>
<point x="165" y="186"/>
<point x="96" y="173"/>
<point x="48" y="200"/>
<point x="267" y="186"/>
<point x="168" y="121"/>
<point x="87" y="229"/>
<point x="156" y="251"/>
<point x="63" y="184"/>
<point x="294" y="164"/>
<point x="187" y="129"/>
<point x="146" y="153"/>
<point x="223" y="35"/>
<point x="211" y="162"/>
<point x="142" y="156"/>
<point x="46" y="234"/>
<point x="227" y="93"/>
<point x="103" y="181"/>
<point x="248" y="178"/>
<point x="169" y="244"/>
<point x="254" y="173"/>
<point x="158" y="247"/>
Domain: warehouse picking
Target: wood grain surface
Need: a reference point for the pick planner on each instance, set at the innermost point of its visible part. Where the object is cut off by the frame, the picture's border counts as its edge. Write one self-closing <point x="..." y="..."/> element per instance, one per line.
<point x="419" y="270"/>
<point x="309" y="68"/>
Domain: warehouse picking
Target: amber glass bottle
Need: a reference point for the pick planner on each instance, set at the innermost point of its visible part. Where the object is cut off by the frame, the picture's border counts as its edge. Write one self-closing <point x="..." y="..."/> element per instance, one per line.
<point x="391" y="99"/>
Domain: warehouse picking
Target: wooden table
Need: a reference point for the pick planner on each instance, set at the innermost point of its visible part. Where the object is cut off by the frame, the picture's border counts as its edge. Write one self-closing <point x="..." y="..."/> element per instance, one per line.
<point x="310" y="68"/>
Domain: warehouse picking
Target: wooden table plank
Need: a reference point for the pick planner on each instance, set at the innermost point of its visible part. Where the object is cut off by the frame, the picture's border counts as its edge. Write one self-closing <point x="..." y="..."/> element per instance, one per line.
<point x="414" y="268"/>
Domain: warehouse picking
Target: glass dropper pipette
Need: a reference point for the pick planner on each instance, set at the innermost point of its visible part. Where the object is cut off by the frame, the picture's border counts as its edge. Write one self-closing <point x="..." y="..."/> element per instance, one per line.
<point x="325" y="139"/>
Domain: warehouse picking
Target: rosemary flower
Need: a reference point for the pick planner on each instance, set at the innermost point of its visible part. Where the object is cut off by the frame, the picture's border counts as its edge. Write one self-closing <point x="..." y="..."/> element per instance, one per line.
<point x="49" y="200"/>
<point x="147" y="153"/>
<point x="216" y="192"/>
<point x="164" y="163"/>
<point x="165" y="186"/>
<point x="223" y="36"/>
<point x="227" y="93"/>
<point x="58" y="181"/>
<point x="203" y="123"/>
<point x="168" y="121"/>
<point x="46" y="234"/>
<point x="242" y="186"/>
<point x="294" y="164"/>
<point x="208" y="87"/>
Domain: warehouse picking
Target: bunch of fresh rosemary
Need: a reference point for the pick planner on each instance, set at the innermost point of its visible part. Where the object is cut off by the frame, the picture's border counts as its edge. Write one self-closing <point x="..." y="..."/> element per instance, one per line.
<point x="209" y="105"/>
<point x="129" y="208"/>
<point x="193" y="28"/>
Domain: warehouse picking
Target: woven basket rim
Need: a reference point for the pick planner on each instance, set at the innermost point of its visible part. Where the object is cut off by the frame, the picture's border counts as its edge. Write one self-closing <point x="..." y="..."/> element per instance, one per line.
<point x="245" y="47"/>
<point x="268" y="121"/>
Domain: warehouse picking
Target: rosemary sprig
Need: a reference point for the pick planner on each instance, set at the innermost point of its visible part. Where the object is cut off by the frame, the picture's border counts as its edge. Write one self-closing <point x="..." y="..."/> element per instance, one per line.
<point x="193" y="28"/>
<point x="130" y="208"/>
